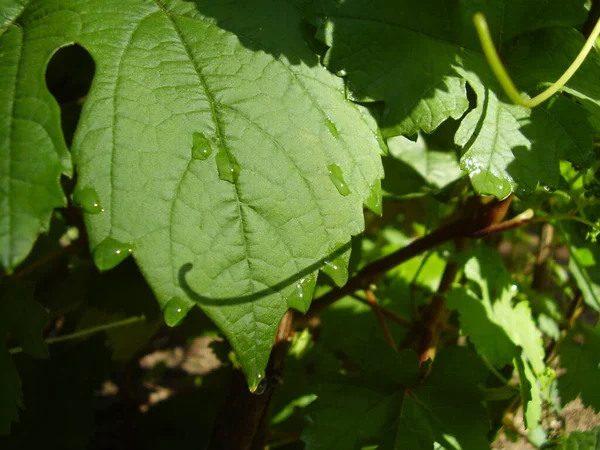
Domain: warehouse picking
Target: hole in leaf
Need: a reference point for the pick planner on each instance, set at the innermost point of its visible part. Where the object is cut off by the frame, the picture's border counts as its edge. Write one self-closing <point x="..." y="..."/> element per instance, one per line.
<point x="69" y="75"/>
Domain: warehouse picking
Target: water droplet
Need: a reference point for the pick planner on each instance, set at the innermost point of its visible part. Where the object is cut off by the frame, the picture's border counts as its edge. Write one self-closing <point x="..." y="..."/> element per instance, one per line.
<point x="257" y="383"/>
<point x="109" y="253"/>
<point x="88" y="199"/>
<point x="514" y="288"/>
<point x="374" y="202"/>
<point x="341" y="73"/>
<point x="227" y="165"/>
<point x="549" y="189"/>
<point x="201" y="148"/>
<point x="331" y="127"/>
<point x="337" y="177"/>
<point x="337" y="270"/>
<point x="175" y="310"/>
<point x="303" y="293"/>
<point x="261" y="388"/>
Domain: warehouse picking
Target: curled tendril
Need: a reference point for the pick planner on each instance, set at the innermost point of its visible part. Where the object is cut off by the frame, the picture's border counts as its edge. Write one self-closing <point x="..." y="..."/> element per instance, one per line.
<point x="503" y="77"/>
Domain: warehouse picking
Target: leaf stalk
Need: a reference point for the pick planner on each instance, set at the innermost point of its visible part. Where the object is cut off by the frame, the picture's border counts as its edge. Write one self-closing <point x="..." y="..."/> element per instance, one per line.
<point x="491" y="54"/>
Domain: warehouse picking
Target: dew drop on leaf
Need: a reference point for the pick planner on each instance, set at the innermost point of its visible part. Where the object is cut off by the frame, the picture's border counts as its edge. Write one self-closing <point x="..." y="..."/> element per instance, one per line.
<point x="109" y="253"/>
<point x="261" y="388"/>
<point x="227" y="165"/>
<point x="374" y="200"/>
<point x="341" y="73"/>
<point x="303" y="293"/>
<point x="337" y="177"/>
<point x="331" y="127"/>
<point x="88" y="199"/>
<point x="175" y="310"/>
<point x="201" y="148"/>
<point x="257" y="383"/>
<point x="337" y="270"/>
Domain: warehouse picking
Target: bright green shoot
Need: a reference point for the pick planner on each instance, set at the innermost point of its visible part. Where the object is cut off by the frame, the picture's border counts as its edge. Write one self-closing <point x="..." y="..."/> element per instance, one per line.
<point x="504" y="78"/>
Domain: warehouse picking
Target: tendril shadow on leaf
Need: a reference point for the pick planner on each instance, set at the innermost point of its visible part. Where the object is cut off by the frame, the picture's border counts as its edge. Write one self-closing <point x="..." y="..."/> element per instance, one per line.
<point x="247" y="298"/>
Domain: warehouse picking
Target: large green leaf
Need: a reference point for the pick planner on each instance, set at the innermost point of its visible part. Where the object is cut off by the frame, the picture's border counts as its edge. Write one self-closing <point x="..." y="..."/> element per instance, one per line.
<point x="417" y="58"/>
<point x="213" y="147"/>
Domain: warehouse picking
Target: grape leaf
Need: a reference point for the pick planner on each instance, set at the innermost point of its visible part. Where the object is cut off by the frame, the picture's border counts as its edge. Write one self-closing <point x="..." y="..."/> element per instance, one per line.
<point x="582" y="264"/>
<point x="214" y="148"/>
<point x="446" y="408"/>
<point x="492" y="312"/>
<point x="417" y="57"/>
<point x="530" y="393"/>
<point x="582" y="440"/>
<point x="498" y="328"/>
<point x="579" y="357"/>
<point x="414" y="169"/>
<point x="23" y="319"/>
<point x="33" y="153"/>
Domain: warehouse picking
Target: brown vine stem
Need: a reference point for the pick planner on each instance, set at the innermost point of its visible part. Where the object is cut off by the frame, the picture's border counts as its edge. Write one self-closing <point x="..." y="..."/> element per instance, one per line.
<point x="388" y="313"/>
<point x="434" y="318"/>
<point x="48" y="259"/>
<point x="480" y="220"/>
<point x="243" y="420"/>
<point x="372" y="300"/>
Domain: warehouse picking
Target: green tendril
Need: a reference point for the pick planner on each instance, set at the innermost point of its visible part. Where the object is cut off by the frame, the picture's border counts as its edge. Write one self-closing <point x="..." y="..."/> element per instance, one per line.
<point x="503" y="77"/>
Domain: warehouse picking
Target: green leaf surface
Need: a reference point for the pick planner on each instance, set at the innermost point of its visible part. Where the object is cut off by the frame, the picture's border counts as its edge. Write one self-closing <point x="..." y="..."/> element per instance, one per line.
<point x="446" y="408"/>
<point x="22" y="319"/>
<point x="579" y="357"/>
<point x="33" y="154"/>
<point x="345" y="326"/>
<point x="530" y="393"/>
<point x="582" y="440"/>
<point x="496" y="325"/>
<point x="208" y="138"/>
<point x="582" y="264"/>
<point x="414" y="168"/>
<point x="347" y="416"/>
<point x="417" y="58"/>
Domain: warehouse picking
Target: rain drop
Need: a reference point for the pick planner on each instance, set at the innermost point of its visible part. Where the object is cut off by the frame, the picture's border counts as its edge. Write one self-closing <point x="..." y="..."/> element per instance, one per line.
<point x="175" y="310"/>
<point x="257" y="383"/>
<point x="374" y="200"/>
<point x="110" y="252"/>
<point x="331" y="127"/>
<point x="303" y="292"/>
<point x="337" y="270"/>
<point x="261" y="388"/>
<point x="337" y="177"/>
<point x="88" y="199"/>
<point x="227" y="165"/>
<point x="341" y="73"/>
<point x="201" y="148"/>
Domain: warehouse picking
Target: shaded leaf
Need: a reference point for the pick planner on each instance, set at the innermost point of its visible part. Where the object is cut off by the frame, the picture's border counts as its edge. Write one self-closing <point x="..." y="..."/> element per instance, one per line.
<point x="22" y="319"/>
<point x="417" y="57"/>
<point x="579" y="357"/>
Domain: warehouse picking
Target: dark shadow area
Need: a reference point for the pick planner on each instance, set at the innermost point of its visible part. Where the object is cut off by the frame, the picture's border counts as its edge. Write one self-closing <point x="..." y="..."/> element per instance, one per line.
<point x="272" y="26"/>
<point x="203" y="300"/>
<point x="69" y="76"/>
